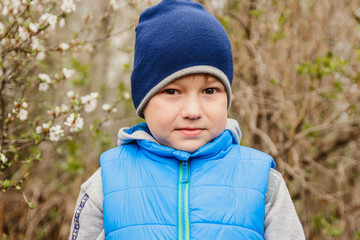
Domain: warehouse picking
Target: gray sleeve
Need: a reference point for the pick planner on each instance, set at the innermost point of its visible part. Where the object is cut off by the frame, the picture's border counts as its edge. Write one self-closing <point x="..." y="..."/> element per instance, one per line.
<point x="87" y="222"/>
<point x="281" y="220"/>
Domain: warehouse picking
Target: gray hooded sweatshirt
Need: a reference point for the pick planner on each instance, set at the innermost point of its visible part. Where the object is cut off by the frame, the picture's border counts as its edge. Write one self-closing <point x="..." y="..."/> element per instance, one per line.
<point x="281" y="220"/>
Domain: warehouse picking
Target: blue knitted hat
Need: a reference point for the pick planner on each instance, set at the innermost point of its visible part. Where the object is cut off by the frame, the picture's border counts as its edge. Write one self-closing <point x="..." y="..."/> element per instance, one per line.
<point x="173" y="39"/>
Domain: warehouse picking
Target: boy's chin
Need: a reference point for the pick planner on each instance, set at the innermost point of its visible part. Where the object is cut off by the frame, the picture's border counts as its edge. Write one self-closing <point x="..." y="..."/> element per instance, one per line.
<point x="189" y="146"/>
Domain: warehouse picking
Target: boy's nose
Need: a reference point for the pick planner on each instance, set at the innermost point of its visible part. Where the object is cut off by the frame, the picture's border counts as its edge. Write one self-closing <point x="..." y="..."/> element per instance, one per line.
<point x="191" y="108"/>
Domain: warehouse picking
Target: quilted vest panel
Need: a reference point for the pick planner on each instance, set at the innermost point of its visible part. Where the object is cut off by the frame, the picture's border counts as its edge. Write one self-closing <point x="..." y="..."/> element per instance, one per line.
<point x="226" y="193"/>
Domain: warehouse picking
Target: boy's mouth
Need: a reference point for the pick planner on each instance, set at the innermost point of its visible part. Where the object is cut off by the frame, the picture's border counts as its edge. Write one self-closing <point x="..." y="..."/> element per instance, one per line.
<point x="190" y="132"/>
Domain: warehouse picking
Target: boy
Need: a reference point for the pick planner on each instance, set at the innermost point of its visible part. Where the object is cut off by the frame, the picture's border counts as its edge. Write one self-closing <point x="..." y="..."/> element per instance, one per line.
<point x="183" y="175"/>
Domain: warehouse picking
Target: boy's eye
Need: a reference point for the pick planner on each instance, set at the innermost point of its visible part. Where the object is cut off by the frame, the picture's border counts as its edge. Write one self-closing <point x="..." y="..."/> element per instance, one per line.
<point x="171" y="91"/>
<point x="210" y="91"/>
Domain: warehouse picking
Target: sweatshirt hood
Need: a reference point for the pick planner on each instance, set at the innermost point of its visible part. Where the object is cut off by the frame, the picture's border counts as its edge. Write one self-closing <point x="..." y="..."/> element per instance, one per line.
<point x="141" y="131"/>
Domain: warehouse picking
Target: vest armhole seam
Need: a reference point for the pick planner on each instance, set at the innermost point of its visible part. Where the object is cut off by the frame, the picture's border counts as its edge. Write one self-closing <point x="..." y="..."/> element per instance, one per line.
<point x="273" y="186"/>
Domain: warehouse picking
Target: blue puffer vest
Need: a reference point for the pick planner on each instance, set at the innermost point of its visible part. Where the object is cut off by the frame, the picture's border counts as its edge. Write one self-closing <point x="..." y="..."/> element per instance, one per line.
<point x="156" y="192"/>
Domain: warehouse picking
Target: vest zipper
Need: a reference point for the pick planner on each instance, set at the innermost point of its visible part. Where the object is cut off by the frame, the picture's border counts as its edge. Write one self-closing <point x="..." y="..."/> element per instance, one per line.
<point x="183" y="202"/>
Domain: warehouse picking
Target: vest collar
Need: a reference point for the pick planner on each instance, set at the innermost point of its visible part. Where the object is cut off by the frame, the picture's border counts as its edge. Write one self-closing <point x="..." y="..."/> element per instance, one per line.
<point x="212" y="150"/>
<point x="215" y="149"/>
<point x="142" y="132"/>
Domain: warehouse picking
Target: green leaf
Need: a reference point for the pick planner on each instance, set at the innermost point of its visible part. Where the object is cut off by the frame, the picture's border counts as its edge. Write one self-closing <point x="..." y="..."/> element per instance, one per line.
<point x="7" y="183"/>
<point x="74" y="165"/>
<point x="358" y="52"/>
<point x="274" y="81"/>
<point x="126" y="66"/>
<point x="357" y="235"/>
<point x="31" y="205"/>
<point x="83" y="72"/>
<point x="256" y="13"/>
<point x="277" y="36"/>
<point x="322" y="66"/>
<point x="225" y="21"/>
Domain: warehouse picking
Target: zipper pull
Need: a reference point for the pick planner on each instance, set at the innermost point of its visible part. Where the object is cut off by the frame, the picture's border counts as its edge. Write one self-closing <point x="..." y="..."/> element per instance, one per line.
<point x="185" y="167"/>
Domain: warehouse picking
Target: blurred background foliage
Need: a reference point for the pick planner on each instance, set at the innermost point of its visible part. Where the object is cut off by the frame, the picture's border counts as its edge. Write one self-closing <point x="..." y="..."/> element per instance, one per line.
<point x="296" y="96"/>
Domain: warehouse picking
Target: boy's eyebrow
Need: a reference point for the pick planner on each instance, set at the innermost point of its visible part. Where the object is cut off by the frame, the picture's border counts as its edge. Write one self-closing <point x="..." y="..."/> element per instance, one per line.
<point x="171" y="84"/>
<point x="211" y="79"/>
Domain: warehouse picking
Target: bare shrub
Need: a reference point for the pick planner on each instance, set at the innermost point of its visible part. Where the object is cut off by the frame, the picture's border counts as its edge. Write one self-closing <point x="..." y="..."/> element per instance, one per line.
<point x="296" y="97"/>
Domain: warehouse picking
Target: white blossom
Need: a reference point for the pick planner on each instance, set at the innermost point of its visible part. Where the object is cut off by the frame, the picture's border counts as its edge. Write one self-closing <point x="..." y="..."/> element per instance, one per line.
<point x="79" y="123"/>
<point x="44" y="77"/>
<point x="357" y="12"/>
<point x="23" y="114"/>
<point x="2" y="28"/>
<point x="64" y="108"/>
<point x="69" y="121"/>
<point x="33" y="27"/>
<point x="3" y="158"/>
<point x="24" y="105"/>
<point x="38" y="130"/>
<point x="35" y="43"/>
<point x="1" y="73"/>
<point x="40" y="56"/>
<point x="43" y="19"/>
<point x="34" y="2"/>
<point x="70" y="94"/>
<point x="57" y="111"/>
<point x="89" y="101"/>
<point x="43" y="87"/>
<point x="46" y="125"/>
<point x="15" y="4"/>
<point x="64" y="46"/>
<point x="52" y="19"/>
<point x="114" y="5"/>
<point x="23" y="34"/>
<point x="48" y="18"/>
<point x="75" y="123"/>
<point x="20" y="20"/>
<point x="68" y="6"/>
<point x="94" y="95"/>
<point x="106" y="107"/>
<point x="67" y="73"/>
<point x="5" y="11"/>
<point x="55" y="133"/>
<point x="62" y="23"/>
<point x="127" y="96"/>
<point x="77" y="107"/>
<point x="91" y="106"/>
<point x="60" y="109"/>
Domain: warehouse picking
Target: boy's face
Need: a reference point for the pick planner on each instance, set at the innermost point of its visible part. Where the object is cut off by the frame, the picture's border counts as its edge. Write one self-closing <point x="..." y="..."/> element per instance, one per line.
<point x="188" y="113"/>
